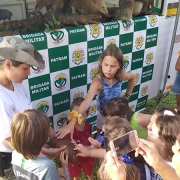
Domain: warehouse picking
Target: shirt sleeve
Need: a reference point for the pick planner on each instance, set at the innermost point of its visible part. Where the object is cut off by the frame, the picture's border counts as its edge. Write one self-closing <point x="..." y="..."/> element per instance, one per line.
<point x="6" y="114"/>
<point x="67" y="173"/>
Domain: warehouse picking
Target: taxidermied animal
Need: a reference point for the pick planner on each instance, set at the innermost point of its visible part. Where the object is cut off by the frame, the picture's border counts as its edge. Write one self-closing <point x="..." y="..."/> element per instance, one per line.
<point x="148" y="6"/>
<point x="90" y="6"/>
<point x="124" y="10"/>
<point x="87" y="7"/>
<point x="78" y="19"/>
<point x="59" y="8"/>
<point x="58" y="143"/>
<point x="137" y="7"/>
<point x="5" y="14"/>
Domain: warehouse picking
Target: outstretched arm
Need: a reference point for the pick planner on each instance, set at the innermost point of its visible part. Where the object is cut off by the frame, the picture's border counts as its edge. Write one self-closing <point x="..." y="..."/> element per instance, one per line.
<point x="85" y="151"/>
<point x="94" y="88"/>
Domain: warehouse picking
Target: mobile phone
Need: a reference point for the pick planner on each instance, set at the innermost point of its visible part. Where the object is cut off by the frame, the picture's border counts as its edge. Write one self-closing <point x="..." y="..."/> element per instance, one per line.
<point x="124" y="144"/>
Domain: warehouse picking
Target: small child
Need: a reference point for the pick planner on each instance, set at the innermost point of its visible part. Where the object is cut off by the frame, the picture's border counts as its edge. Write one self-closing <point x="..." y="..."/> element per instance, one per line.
<point x="119" y="107"/>
<point x="30" y="129"/>
<point x="108" y="125"/>
<point x="132" y="172"/>
<point x="162" y="131"/>
<point x="81" y="134"/>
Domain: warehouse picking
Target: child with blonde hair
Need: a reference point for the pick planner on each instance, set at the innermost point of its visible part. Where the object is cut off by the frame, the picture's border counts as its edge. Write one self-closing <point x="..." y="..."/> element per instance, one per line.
<point x="30" y="129"/>
<point x="132" y="172"/>
<point x="81" y="134"/>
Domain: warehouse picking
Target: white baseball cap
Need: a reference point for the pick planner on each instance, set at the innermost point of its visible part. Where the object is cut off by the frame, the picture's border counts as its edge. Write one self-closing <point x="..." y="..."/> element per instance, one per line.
<point x="17" y="49"/>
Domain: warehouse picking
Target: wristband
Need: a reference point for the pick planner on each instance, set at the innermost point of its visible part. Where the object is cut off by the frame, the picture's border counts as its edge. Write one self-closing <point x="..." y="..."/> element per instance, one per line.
<point x="127" y="95"/>
<point x="74" y="114"/>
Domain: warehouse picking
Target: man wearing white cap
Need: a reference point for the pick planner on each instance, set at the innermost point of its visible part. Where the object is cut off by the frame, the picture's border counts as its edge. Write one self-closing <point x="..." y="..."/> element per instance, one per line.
<point x="16" y="58"/>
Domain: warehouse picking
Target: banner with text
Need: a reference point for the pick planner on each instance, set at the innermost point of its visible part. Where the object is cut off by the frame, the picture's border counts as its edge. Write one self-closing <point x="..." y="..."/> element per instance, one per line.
<point x="71" y="56"/>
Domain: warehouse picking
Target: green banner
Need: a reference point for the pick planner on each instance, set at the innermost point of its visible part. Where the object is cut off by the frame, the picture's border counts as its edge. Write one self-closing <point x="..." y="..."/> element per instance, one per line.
<point x="71" y="57"/>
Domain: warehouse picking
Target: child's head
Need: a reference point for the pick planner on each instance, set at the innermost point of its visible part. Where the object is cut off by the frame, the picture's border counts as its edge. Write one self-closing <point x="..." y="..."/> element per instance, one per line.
<point x="160" y="111"/>
<point x="117" y="106"/>
<point x="29" y="129"/>
<point x="132" y="172"/>
<point x="111" y="63"/>
<point x="162" y="131"/>
<point x="176" y="156"/>
<point x="75" y="105"/>
<point x="118" y="131"/>
<point x="110" y="123"/>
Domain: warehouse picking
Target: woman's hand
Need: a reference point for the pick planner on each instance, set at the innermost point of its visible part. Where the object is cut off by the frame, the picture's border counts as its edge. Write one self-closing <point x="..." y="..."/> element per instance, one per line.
<point x="149" y="152"/>
<point x="67" y="129"/>
<point x="64" y="159"/>
<point x="114" y="167"/>
<point x="94" y="142"/>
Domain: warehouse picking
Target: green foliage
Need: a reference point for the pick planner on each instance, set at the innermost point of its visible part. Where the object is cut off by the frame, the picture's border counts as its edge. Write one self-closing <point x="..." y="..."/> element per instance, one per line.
<point x="51" y="23"/>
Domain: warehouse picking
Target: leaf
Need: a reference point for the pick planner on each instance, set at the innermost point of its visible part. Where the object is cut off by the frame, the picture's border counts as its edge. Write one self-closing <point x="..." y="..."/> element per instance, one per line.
<point x="54" y="20"/>
<point x="1" y="27"/>
<point x="7" y="28"/>
<point x="47" y="28"/>
<point x="50" y="22"/>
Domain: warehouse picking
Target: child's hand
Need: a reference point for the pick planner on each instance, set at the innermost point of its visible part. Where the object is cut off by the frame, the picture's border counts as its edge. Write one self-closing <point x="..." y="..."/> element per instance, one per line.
<point x="67" y="129"/>
<point x="83" y="151"/>
<point x="126" y="97"/>
<point x="94" y="142"/>
<point x="74" y="142"/>
<point x="115" y="168"/>
<point x="64" y="159"/>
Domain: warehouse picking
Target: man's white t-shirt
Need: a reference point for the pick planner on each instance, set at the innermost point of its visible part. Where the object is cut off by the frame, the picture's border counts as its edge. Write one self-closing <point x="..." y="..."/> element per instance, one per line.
<point x="11" y="102"/>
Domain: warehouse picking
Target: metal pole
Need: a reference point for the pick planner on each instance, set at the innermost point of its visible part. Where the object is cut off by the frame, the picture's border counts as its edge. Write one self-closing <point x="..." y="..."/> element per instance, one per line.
<point x="160" y="93"/>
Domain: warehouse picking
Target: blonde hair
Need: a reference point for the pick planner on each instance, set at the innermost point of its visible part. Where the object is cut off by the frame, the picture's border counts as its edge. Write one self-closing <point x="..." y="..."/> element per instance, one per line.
<point x="110" y="123"/>
<point x="29" y="129"/>
<point x="132" y="172"/>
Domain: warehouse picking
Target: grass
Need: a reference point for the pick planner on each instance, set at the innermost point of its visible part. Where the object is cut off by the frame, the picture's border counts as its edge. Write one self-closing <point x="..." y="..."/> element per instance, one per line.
<point x="168" y="101"/>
